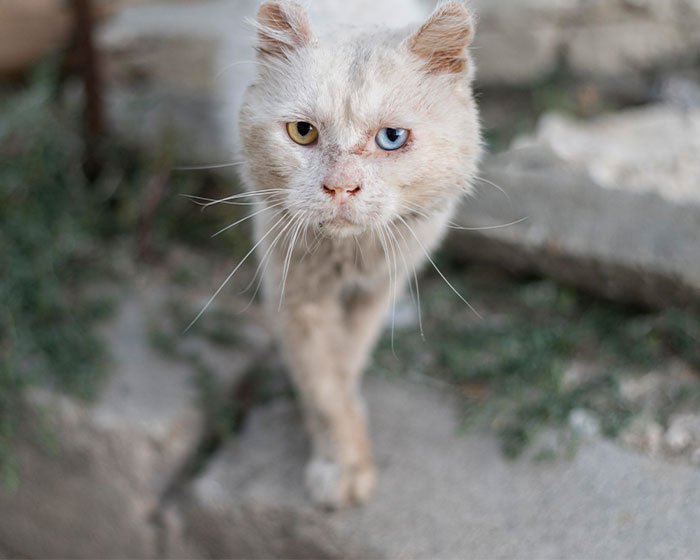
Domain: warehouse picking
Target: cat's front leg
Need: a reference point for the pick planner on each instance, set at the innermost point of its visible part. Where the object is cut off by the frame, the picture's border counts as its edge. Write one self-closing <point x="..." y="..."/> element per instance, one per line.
<point x="314" y="338"/>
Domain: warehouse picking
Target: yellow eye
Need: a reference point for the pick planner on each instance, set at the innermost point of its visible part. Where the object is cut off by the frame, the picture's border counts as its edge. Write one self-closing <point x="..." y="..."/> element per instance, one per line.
<point x="302" y="133"/>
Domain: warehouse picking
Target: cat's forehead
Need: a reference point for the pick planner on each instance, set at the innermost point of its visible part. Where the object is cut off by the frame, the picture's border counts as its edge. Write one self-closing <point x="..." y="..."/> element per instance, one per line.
<point x="355" y="82"/>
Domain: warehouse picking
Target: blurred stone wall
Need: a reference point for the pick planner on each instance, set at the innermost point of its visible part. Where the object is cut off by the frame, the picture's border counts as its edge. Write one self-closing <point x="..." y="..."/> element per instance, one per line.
<point x="518" y="40"/>
<point x="524" y="40"/>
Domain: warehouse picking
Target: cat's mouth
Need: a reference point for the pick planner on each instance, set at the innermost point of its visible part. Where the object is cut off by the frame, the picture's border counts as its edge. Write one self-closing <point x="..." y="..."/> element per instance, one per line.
<point x="342" y="226"/>
<point x="342" y="221"/>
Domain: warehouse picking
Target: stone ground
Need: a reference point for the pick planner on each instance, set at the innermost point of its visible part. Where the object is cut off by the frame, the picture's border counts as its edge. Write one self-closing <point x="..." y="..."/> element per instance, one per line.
<point x="102" y="468"/>
<point x="139" y="473"/>
<point x="443" y="494"/>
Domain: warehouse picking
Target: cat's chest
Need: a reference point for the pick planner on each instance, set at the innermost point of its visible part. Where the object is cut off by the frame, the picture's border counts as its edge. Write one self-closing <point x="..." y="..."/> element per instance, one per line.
<point x="332" y="266"/>
<point x="342" y="262"/>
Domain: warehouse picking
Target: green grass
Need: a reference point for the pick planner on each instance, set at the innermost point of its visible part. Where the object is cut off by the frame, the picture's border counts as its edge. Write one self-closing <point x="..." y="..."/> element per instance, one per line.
<point x="47" y="252"/>
<point x="57" y="232"/>
<point x="511" y="366"/>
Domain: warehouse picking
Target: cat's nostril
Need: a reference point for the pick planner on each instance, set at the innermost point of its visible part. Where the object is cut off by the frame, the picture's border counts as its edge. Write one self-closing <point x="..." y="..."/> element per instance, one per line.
<point x="350" y="190"/>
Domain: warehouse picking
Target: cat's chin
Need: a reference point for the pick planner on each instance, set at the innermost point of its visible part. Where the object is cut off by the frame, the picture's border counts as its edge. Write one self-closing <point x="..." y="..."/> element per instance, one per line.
<point x="342" y="228"/>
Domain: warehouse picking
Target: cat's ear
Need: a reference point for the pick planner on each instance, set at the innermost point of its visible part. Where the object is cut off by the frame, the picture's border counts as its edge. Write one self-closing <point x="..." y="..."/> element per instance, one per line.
<point x="443" y="40"/>
<point x="283" y="27"/>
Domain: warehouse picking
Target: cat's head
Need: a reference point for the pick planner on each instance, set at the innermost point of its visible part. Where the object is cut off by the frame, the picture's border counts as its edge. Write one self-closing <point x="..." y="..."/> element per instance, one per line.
<point x="359" y="128"/>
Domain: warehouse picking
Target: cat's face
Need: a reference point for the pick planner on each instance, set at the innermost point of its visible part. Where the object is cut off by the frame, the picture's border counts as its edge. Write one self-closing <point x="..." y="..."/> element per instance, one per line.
<point x="356" y="132"/>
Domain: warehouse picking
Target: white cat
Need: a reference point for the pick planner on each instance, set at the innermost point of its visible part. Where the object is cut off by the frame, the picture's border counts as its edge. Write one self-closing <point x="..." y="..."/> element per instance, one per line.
<point x="359" y="141"/>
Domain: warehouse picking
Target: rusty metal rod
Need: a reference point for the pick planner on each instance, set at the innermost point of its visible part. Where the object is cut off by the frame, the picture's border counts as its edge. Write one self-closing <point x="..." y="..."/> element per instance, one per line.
<point x="89" y="67"/>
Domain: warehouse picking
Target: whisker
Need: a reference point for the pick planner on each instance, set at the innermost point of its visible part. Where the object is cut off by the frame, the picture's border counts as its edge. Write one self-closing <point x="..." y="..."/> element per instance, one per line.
<point x="358" y="245"/>
<point x="202" y="201"/>
<point x="244" y="195"/>
<point x="394" y="247"/>
<point x="230" y="276"/>
<point x="265" y="256"/>
<point x="432" y="262"/>
<point x="208" y="167"/>
<point x="288" y="261"/>
<point x="415" y="278"/>
<point x="491" y="183"/>
<point x="487" y="228"/>
<point x="234" y="64"/>
<point x="385" y="247"/>
<point x="248" y="217"/>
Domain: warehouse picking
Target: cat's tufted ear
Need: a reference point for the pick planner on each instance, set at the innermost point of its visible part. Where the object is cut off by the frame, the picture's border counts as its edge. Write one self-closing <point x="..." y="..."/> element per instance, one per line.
<point x="443" y="40"/>
<point x="283" y="27"/>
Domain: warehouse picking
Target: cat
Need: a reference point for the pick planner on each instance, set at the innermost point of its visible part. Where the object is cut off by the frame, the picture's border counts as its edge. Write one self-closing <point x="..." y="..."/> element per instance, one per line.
<point x="358" y="143"/>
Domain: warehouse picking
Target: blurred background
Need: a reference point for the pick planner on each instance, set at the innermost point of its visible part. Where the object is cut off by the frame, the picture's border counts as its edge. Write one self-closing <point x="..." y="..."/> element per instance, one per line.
<point x="577" y="395"/>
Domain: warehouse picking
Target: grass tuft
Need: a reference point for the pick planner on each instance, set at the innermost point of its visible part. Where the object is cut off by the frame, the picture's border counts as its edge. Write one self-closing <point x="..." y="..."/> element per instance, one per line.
<point x="514" y="366"/>
<point x="58" y="235"/>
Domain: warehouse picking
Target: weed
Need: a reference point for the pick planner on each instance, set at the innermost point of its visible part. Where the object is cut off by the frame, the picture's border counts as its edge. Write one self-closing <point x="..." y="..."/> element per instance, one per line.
<point x="511" y="367"/>
<point x="56" y="230"/>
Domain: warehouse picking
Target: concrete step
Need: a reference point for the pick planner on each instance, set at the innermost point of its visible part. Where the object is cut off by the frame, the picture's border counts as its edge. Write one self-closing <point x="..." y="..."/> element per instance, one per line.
<point x="442" y="494"/>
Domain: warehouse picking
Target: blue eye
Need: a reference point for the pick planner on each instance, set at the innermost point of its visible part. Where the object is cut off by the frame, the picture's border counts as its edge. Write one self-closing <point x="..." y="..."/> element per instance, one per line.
<point x="390" y="139"/>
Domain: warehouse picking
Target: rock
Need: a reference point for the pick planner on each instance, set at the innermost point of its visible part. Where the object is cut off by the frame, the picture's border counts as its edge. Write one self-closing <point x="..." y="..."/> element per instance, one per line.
<point x="584" y="424"/>
<point x="616" y="40"/>
<point x="644" y="390"/>
<point x="695" y="458"/>
<point x="681" y="89"/>
<point x="577" y="373"/>
<point x="611" y="49"/>
<point x="683" y="432"/>
<point x="649" y="150"/>
<point x="654" y="390"/>
<point x="170" y="71"/>
<point x="500" y="47"/>
<point x="441" y="495"/>
<point x="94" y="492"/>
<point x="611" y="206"/>
<point x="643" y="434"/>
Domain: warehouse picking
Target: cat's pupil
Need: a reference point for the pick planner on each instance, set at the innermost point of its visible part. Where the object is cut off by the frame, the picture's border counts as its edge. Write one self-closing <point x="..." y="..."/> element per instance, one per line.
<point x="392" y="134"/>
<point x="303" y="128"/>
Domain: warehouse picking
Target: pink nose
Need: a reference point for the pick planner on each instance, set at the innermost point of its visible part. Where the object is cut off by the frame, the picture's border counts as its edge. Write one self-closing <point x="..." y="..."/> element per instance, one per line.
<point x="342" y="193"/>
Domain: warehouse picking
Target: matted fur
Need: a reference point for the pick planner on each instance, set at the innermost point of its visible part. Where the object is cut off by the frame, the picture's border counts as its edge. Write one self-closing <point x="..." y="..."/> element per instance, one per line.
<point x="331" y="270"/>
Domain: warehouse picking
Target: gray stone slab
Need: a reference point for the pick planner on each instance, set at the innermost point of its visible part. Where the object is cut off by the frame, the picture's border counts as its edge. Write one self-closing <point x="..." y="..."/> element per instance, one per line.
<point x="175" y="72"/>
<point x="92" y="475"/>
<point x="524" y="40"/>
<point x="441" y="495"/>
<point x="612" y="206"/>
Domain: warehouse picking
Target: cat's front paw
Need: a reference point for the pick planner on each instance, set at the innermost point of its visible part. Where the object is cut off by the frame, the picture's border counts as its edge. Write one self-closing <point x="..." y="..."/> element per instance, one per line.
<point x="333" y="485"/>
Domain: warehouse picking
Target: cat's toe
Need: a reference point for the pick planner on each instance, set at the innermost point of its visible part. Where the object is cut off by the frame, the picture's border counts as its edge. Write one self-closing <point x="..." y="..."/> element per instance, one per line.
<point x="323" y="481"/>
<point x="364" y="481"/>
<point x="332" y="485"/>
